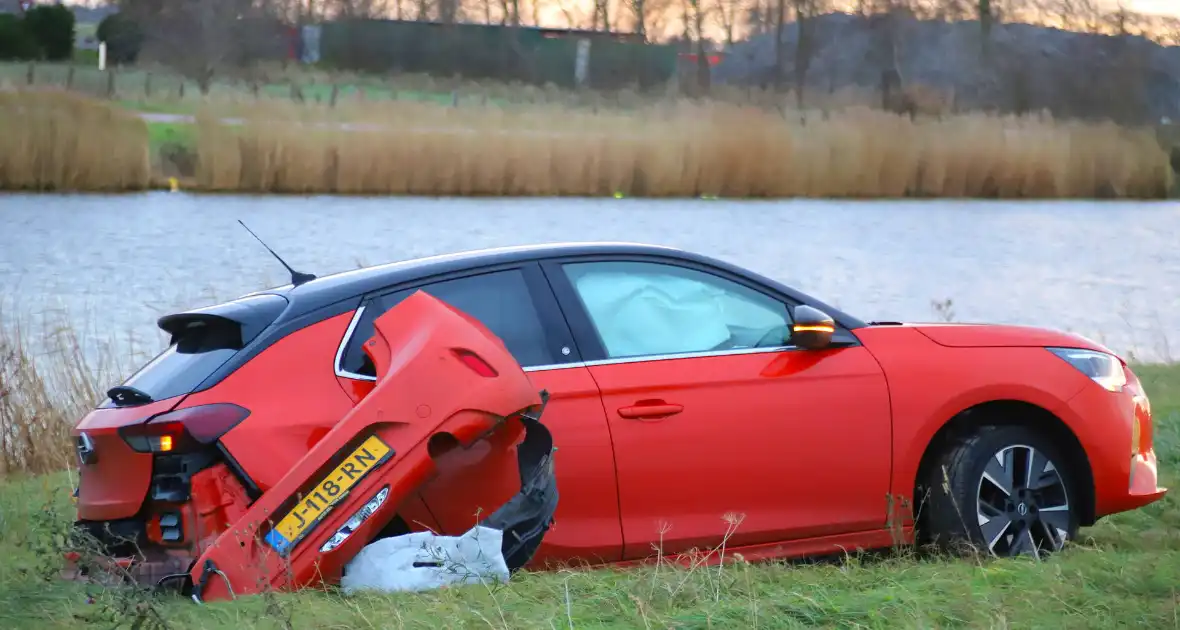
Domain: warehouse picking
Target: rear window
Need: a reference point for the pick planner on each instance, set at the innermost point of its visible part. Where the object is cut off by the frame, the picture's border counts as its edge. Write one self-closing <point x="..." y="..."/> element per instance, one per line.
<point x="180" y="368"/>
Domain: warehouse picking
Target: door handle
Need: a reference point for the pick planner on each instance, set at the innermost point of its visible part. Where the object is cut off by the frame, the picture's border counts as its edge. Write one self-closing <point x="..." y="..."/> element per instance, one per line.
<point x="650" y="409"/>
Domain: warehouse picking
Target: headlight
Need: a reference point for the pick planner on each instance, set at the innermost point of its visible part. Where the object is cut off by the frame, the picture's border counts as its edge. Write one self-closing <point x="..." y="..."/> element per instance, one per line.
<point x="1104" y="369"/>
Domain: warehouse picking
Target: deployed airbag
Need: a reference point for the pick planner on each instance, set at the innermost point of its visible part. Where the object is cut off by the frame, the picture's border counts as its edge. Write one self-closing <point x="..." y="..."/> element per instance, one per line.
<point x="640" y="314"/>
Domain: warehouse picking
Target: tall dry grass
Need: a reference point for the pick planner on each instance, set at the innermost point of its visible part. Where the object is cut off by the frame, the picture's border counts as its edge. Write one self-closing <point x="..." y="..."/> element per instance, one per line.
<point x="62" y="141"/>
<point x="43" y="393"/>
<point x="57" y="140"/>
<point x="672" y="150"/>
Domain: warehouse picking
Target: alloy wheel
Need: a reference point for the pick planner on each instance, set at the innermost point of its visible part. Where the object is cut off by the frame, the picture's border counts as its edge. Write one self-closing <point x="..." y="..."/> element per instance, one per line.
<point x="1022" y="503"/>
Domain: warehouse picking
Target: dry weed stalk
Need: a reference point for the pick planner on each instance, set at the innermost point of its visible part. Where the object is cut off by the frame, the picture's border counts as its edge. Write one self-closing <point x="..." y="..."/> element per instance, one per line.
<point x="41" y="398"/>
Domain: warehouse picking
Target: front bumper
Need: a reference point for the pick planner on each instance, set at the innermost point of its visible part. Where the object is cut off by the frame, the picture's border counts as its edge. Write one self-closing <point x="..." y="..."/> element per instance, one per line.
<point x="1144" y="484"/>
<point x="1116" y="431"/>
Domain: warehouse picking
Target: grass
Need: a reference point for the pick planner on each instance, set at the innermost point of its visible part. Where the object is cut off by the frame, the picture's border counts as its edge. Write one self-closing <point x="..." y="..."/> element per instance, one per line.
<point x="1123" y="572"/>
<point x="672" y="149"/>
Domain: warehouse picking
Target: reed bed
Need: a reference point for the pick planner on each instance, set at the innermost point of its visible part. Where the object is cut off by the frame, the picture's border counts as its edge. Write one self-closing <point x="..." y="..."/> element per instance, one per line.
<point x="679" y="150"/>
<point x="56" y="140"/>
<point x="670" y="149"/>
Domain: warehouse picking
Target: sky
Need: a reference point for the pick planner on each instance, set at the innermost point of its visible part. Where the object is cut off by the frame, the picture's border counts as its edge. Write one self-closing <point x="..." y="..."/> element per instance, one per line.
<point x="1161" y="7"/>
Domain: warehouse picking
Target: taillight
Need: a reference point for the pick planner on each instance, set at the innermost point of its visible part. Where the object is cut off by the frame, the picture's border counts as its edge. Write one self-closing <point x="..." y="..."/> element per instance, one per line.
<point x="184" y="430"/>
<point x="476" y="363"/>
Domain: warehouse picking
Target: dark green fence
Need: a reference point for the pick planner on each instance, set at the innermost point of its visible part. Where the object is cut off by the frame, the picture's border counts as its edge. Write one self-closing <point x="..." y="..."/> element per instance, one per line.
<point x="477" y="51"/>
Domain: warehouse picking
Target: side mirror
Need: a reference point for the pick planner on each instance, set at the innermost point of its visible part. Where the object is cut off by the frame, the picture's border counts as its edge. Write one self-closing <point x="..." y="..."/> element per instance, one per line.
<point x="812" y="329"/>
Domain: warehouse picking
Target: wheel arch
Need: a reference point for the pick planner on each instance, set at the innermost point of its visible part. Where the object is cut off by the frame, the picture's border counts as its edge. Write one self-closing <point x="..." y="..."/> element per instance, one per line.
<point x="1007" y="412"/>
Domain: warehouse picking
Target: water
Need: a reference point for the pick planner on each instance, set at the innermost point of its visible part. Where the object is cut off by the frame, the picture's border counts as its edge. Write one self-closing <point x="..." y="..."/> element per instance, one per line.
<point x="1108" y="270"/>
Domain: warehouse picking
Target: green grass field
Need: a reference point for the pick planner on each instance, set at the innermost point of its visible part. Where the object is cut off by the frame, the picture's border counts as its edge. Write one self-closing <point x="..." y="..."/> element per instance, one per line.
<point x="1124" y="572"/>
<point x="158" y="89"/>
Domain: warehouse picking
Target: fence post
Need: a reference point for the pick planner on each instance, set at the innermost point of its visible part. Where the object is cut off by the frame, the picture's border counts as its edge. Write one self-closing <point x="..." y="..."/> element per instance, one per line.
<point x="31" y="73"/>
<point x="335" y="93"/>
<point x="111" y="83"/>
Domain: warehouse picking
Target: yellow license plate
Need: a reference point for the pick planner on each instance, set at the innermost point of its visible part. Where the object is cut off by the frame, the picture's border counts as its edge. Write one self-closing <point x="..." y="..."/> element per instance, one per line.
<point x="329" y="491"/>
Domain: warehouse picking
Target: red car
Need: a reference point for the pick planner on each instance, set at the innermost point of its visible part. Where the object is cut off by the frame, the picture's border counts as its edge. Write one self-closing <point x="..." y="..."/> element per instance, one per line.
<point x="685" y="395"/>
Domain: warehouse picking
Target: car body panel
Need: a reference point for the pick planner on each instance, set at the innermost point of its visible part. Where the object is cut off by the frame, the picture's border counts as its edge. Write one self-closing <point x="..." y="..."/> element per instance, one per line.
<point x="114" y="486"/>
<point x="758" y="435"/>
<point x="930" y="384"/>
<point x="587" y="526"/>
<point x="1103" y="421"/>
<point x="1003" y="336"/>
<point x="422" y="390"/>
<point x="278" y="434"/>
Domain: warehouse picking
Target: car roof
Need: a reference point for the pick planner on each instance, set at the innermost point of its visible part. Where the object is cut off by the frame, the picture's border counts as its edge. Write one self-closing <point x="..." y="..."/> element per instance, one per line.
<point x="354" y="282"/>
<point x="345" y="285"/>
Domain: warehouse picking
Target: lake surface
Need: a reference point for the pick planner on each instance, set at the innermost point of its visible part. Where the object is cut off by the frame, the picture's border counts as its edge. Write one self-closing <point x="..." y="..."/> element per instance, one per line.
<point x="1108" y="270"/>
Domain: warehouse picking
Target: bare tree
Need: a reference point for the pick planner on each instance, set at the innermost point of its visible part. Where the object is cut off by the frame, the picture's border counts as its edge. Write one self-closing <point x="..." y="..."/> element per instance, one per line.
<point x="696" y="14"/>
<point x="645" y="16"/>
<point x="805" y="42"/>
<point x="727" y="13"/>
<point x="951" y="10"/>
<point x="357" y="9"/>
<point x="1077" y="14"/>
<point x="199" y="38"/>
<point x="602" y="13"/>
<point x="569" y="9"/>
<point x="510" y="12"/>
<point x="780" y="51"/>
<point x="758" y="16"/>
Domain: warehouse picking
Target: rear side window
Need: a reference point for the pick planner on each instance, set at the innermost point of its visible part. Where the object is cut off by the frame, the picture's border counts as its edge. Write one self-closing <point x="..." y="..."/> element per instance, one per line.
<point x="180" y="368"/>
<point x="500" y="300"/>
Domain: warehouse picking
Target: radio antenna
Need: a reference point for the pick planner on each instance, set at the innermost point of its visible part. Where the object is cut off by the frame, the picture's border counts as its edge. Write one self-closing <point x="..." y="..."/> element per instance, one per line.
<point x="297" y="277"/>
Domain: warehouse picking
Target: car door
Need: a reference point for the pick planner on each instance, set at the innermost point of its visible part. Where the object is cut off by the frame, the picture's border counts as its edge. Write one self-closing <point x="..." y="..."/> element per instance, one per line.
<point x="712" y="414"/>
<point x="517" y="305"/>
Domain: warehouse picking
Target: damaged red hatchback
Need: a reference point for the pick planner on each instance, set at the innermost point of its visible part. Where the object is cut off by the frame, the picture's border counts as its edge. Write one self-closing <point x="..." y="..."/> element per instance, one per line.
<point x="281" y="432"/>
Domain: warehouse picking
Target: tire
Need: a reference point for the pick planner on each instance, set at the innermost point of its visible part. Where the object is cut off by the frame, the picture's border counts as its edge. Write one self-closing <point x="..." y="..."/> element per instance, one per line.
<point x="984" y="501"/>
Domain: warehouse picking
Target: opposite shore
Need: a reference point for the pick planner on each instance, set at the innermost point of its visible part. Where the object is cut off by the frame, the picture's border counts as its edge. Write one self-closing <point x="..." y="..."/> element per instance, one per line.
<point x="59" y="141"/>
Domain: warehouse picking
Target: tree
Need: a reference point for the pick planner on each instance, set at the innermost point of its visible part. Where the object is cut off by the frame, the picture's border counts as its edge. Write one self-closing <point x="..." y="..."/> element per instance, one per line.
<point x="645" y="15"/>
<point x="727" y="13"/>
<point x="15" y="41"/>
<point x="200" y="38"/>
<point x="52" y="27"/>
<point x="123" y="37"/>
<point x="1077" y="14"/>
<point x="985" y="25"/>
<point x="805" y="43"/>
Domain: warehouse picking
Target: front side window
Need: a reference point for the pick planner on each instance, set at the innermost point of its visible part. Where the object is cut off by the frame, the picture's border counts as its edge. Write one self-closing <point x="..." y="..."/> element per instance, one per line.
<point x="641" y="309"/>
<point x="499" y="300"/>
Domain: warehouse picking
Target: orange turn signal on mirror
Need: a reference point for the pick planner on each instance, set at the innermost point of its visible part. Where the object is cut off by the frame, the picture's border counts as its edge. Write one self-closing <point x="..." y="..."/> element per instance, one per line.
<point x="814" y="328"/>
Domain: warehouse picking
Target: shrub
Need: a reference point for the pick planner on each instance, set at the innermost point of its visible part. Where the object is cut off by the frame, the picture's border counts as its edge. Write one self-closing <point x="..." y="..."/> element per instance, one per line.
<point x="123" y="37"/>
<point x="15" y="41"/>
<point x="52" y="26"/>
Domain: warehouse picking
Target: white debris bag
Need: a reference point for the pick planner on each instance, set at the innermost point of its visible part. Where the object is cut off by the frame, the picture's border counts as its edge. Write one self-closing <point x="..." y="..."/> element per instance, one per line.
<point x="424" y="560"/>
<point x="492" y="550"/>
